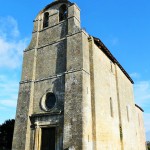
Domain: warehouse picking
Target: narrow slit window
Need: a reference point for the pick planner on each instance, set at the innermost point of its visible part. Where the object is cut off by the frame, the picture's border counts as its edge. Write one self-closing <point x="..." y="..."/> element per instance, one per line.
<point x="139" y="119"/>
<point x="111" y="66"/>
<point x="128" y="117"/>
<point x="111" y="107"/>
<point x="63" y="13"/>
<point x="46" y="20"/>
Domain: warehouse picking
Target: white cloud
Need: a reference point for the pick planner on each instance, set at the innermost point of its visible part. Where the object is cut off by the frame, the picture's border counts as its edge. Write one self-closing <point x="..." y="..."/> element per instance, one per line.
<point x="147" y="121"/>
<point x="8" y="27"/>
<point x="147" y="125"/>
<point x="2" y="108"/>
<point x="142" y="98"/>
<point x="8" y="85"/>
<point x="15" y="32"/>
<point x="10" y="103"/>
<point x="142" y="93"/>
<point x="2" y="78"/>
<point x="11" y="47"/>
<point x="135" y="75"/>
<point x="9" y="92"/>
<point x="11" y="50"/>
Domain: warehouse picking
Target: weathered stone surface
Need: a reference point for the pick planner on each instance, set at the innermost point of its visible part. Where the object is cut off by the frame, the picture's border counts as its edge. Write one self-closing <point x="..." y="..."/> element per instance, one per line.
<point x="19" y="139"/>
<point x="140" y="129"/>
<point x="27" y="71"/>
<point x="94" y="108"/>
<point x="47" y="36"/>
<point x="51" y="60"/>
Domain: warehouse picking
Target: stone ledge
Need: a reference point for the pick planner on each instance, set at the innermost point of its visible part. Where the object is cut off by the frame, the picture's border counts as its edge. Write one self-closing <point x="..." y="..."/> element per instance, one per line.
<point x="55" y="76"/>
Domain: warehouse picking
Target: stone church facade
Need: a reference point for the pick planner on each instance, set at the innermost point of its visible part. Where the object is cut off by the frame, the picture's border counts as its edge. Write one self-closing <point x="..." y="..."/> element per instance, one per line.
<point x="74" y="94"/>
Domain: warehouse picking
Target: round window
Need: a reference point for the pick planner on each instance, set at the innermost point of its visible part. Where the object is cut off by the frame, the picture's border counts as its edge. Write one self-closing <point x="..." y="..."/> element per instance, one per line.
<point x="50" y="100"/>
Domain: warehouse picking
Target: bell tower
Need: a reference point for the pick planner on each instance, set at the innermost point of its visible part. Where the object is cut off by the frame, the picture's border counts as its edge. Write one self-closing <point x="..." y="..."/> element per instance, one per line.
<point x="51" y="93"/>
<point x="73" y="94"/>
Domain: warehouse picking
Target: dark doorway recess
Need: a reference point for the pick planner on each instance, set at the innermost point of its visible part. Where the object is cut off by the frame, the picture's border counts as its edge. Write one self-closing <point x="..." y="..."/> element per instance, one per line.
<point x="48" y="139"/>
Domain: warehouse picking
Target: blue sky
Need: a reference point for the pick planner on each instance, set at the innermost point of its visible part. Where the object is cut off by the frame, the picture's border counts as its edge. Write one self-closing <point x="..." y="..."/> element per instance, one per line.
<point x="123" y="26"/>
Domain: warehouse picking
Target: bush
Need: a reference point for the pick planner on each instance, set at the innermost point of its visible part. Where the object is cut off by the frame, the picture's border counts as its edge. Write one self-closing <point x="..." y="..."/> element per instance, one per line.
<point x="6" y="134"/>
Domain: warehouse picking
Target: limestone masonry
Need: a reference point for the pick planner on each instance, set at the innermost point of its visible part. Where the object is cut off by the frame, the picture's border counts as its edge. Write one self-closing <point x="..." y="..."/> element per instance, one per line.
<point x="74" y="94"/>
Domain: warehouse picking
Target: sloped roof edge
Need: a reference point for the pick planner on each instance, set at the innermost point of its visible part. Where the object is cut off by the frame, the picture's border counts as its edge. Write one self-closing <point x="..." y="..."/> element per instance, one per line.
<point x="54" y="3"/>
<point x="100" y="44"/>
<point x="139" y="107"/>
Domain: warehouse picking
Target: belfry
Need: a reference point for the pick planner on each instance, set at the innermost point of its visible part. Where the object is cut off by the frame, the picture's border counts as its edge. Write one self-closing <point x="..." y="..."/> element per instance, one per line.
<point x="74" y="94"/>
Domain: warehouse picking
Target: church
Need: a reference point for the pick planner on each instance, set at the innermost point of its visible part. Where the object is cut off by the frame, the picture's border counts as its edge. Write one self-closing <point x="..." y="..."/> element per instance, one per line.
<point x="74" y="94"/>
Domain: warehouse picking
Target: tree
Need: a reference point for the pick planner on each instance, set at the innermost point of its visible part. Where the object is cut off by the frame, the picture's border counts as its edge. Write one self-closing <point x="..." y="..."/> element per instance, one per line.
<point x="148" y="145"/>
<point x="6" y="134"/>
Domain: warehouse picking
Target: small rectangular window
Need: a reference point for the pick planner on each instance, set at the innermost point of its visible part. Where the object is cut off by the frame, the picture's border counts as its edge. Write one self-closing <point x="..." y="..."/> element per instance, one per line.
<point x="139" y="119"/>
<point x="111" y="66"/>
<point x="63" y="12"/>
<point x="128" y="115"/>
<point x="46" y="20"/>
<point x="111" y="107"/>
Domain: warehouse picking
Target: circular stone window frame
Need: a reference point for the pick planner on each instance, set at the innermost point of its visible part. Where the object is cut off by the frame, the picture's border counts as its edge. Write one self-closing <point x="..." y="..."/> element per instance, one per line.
<point x="43" y="102"/>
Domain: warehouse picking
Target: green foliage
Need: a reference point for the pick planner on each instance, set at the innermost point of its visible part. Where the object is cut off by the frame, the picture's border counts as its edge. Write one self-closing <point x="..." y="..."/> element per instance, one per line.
<point x="148" y="145"/>
<point x="6" y="134"/>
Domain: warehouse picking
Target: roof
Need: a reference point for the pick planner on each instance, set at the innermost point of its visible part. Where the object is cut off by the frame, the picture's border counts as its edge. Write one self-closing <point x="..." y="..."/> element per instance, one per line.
<point x="139" y="107"/>
<point x="99" y="43"/>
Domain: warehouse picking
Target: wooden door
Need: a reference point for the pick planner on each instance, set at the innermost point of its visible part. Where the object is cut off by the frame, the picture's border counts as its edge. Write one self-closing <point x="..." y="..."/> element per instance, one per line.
<point x="48" y="139"/>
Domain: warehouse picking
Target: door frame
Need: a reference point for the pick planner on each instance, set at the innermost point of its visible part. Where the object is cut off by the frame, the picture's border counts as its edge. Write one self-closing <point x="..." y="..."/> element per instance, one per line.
<point x="38" y="135"/>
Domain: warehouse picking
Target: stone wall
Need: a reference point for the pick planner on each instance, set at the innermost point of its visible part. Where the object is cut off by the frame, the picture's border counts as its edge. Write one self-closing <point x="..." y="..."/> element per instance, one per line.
<point x="140" y="129"/>
<point x="107" y="135"/>
<point x="94" y="106"/>
<point x="113" y="108"/>
<point x="127" y="110"/>
<point x="21" y="123"/>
